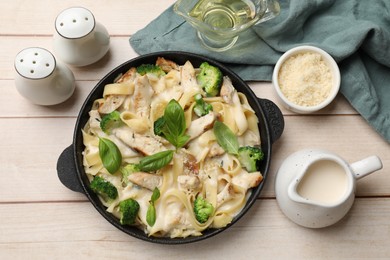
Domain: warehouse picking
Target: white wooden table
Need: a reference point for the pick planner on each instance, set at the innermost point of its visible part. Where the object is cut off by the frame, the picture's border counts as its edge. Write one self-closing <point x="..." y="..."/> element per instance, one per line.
<point x="41" y="219"/>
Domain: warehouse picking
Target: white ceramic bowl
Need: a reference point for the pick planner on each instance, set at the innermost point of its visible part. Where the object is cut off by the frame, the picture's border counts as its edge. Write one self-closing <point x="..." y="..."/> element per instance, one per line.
<point x="334" y="70"/>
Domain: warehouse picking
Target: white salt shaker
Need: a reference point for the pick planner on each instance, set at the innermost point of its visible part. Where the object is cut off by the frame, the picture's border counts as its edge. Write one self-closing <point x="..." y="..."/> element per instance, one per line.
<point x="79" y="40"/>
<point x="42" y="79"/>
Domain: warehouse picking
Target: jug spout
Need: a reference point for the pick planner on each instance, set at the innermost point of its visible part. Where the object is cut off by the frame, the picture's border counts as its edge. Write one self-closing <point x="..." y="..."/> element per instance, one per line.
<point x="273" y="10"/>
<point x="294" y="195"/>
<point x="366" y="166"/>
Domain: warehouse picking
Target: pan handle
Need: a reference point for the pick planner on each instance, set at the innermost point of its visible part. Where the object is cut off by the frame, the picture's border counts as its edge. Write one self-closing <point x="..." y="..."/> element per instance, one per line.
<point x="274" y="118"/>
<point x="66" y="170"/>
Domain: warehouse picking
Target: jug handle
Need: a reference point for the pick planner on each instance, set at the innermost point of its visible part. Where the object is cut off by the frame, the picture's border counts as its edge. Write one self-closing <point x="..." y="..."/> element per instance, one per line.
<point x="366" y="166"/>
<point x="273" y="10"/>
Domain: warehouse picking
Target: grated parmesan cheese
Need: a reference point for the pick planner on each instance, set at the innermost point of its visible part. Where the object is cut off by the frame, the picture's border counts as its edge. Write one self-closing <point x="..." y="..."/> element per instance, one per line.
<point x="305" y="79"/>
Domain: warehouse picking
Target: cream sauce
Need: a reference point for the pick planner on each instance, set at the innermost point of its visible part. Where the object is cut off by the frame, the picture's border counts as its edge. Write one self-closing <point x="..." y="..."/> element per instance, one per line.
<point x="325" y="182"/>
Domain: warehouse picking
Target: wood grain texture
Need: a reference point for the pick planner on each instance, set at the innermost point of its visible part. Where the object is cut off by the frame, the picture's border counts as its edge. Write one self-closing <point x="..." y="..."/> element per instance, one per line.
<point x="76" y="230"/>
<point x="121" y="17"/>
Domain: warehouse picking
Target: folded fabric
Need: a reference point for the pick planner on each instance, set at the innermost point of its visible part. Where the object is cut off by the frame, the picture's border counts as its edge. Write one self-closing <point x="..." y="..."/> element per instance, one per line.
<point x="356" y="33"/>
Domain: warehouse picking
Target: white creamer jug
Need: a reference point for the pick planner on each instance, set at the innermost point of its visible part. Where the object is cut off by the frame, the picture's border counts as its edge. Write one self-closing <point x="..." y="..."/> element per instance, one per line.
<point x="316" y="188"/>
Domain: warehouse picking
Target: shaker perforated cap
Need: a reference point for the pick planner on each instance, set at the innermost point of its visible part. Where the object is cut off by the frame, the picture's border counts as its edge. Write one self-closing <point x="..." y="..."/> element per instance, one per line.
<point x="35" y="63"/>
<point x="75" y="22"/>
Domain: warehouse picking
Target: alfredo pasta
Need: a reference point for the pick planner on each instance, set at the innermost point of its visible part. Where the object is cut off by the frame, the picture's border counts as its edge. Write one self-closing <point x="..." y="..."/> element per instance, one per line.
<point x="198" y="160"/>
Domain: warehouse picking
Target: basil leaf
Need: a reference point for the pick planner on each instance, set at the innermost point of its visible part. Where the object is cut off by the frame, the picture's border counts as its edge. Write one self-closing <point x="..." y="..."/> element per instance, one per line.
<point x="226" y="138"/>
<point x="182" y="140"/>
<point x="156" y="161"/>
<point x="158" y="126"/>
<point x="174" y="118"/>
<point x="155" y="195"/>
<point x="110" y="155"/>
<point x="177" y="141"/>
<point x="151" y="215"/>
<point x="175" y="124"/>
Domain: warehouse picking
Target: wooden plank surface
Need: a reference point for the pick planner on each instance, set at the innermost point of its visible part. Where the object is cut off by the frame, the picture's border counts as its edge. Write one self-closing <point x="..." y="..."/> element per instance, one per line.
<point x="76" y="230"/>
<point x="121" y="17"/>
<point x="41" y="219"/>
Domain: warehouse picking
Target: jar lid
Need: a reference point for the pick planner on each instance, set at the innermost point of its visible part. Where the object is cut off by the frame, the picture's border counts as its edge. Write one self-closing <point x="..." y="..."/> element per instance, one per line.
<point x="75" y="22"/>
<point x="35" y="63"/>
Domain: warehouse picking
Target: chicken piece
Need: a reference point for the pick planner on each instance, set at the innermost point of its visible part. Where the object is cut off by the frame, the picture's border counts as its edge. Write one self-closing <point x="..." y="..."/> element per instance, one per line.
<point x="94" y="119"/>
<point x="200" y="125"/>
<point x="188" y="78"/>
<point x="111" y="103"/>
<point x="215" y="150"/>
<point x="128" y="76"/>
<point x="249" y="138"/>
<point x="166" y="65"/>
<point x="230" y="96"/>
<point x="247" y="180"/>
<point x="188" y="85"/>
<point x="189" y="183"/>
<point x="227" y="90"/>
<point x="147" y="145"/>
<point x="190" y="164"/>
<point x="142" y="96"/>
<point x="146" y="180"/>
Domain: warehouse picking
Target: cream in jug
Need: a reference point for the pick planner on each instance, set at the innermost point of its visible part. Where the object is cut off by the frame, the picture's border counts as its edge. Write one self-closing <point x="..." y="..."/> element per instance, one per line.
<point x="325" y="182"/>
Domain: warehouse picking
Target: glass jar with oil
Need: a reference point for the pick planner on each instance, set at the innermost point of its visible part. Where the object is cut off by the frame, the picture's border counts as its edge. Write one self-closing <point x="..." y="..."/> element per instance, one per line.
<point x="219" y="22"/>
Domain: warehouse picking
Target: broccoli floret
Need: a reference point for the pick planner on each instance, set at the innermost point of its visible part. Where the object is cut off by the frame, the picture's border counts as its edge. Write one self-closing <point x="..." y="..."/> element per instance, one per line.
<point x="201" y="108"/>
<point x="210" y="79"/>
<point x="127" y="170"/>
<point x="249" y="157"/>
<point x="129" y="210"/>
<point x="150" y="68"/>
<point x="111" y="121"/>
<point x="202" y="209"/>
<point x="104" y="188"/>
<point x="158" y="126"/>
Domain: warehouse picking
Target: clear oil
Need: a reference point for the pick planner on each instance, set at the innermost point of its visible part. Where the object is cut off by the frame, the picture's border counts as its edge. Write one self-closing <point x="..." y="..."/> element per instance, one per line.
<point x="223" y="13"/>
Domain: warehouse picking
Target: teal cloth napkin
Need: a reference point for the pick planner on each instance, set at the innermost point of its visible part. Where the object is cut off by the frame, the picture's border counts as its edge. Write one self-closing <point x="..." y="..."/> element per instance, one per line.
<point x="356" y="33"/>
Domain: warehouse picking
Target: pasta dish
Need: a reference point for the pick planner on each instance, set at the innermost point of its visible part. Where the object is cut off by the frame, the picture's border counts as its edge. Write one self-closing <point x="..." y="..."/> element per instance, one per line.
<point x="172" y="149"/>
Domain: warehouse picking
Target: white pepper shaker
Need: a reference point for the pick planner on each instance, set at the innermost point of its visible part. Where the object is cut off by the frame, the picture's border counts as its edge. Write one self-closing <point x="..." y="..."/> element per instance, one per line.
<point x="42" y="79"/>
<point x="79" y="40"/>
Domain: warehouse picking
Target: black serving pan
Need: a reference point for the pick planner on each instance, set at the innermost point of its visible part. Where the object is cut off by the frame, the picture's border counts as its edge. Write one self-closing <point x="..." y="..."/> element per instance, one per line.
<point x="70" y="163"/>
